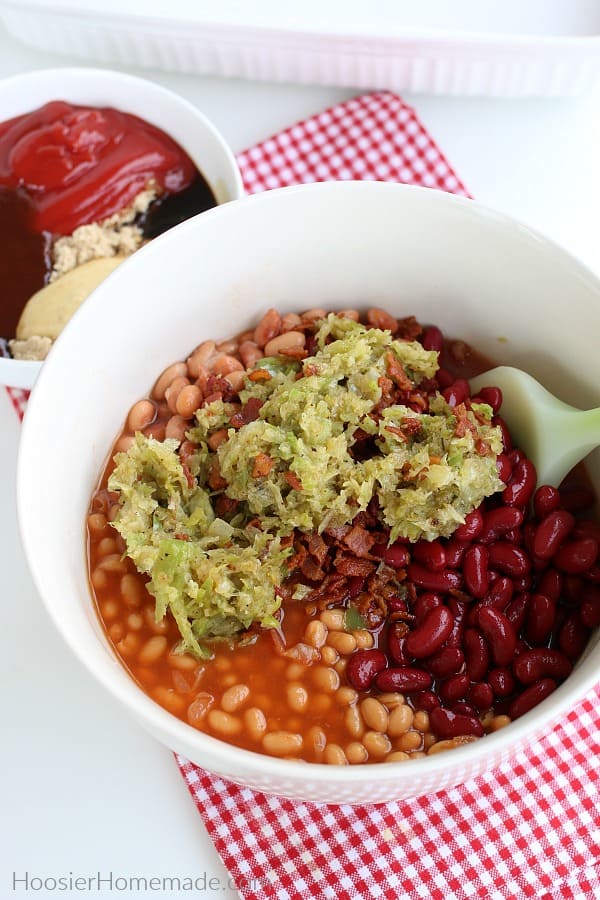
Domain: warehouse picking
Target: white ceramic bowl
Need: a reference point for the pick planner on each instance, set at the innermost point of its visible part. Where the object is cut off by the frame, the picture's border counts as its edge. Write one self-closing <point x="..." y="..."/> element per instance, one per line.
<point x="514" y="295"/>
<point x="157" y="105"/>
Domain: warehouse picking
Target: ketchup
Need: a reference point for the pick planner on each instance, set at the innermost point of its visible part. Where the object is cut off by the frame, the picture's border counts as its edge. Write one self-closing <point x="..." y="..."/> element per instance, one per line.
<point x="79" y="165"/>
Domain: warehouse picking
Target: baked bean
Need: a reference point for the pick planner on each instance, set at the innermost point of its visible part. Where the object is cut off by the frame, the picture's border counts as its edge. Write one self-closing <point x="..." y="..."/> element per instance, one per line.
<point x="280" y="345"/>
<point x="112" y="562"/>
<point x="184" y="661"/>
<point x="442" y="746"/>
<point x="132" y="591"/>
<point x="159" y="627"/>
<point x="176" y="370"/>
<point x="421" y="720"/>
<point x="379" y="318"/>
<point x="364" y="639"/>
<point x="411" y="740"/>
<point x="333" y="619"/>
<point x="236" y="380"/>
<point x="397" y="756"/>
<point x="107" y="546"/>
<point x="376" y="744"/>
<point x="400" y="720"/>
<point x="329" y="655"/>
<point x="235" y="697"/>
<point x="110" y="609"/>
<point x="341" y="641"/>
<point x="334" y="755"/>
<point x="354" y="721"/>
<point x="374" y="714"/>
<point x="315" y="739"/>
<point x="255" y="723"/>
<point x="499" y="722"/>
<point x="295" y="671"/>
<point x="176" y="428"/>
<point x="129" y="644"/>
<point x="325" y="679"/>
<point x="99" y="579"/>
<point x="282" y="743"/>
<point x="134" y="620"/>
<point x="156" y="430"/>
<point x="170" y="700"/>
<point x="290" y="321"/>
<point x="199" y="707"/>
<point x="268" y="328"/>
<point x="345" y="696"/>
<point x="153" y="650"/>
<point x="97" y="522"/>
<point x="188" y="401"/>
<point x="315" y="633"/>
<point x="297" y="696"/>
<point x="392" y="699"/>
<point x="228" y="346"/>
<point x="224" y="723"/>
<point x="124" y="444"/>
<point x="356" y="753"/>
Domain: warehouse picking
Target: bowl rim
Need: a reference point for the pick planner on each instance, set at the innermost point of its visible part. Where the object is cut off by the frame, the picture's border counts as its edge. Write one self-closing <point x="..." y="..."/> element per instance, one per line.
<point x="521" y="731"/>
<point x="20" y="373"/>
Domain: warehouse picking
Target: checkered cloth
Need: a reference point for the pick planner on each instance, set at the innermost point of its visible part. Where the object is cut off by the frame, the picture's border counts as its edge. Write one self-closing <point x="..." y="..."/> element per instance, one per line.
<point x="530" y="828"/>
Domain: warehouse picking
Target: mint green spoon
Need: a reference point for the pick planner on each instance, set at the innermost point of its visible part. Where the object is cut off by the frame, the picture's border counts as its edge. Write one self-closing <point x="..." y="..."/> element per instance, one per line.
<point x="554" y="436"/>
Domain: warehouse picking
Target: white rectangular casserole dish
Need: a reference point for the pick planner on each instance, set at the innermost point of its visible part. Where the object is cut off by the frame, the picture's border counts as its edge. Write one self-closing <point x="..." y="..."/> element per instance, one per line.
<point x="457" y="47"/>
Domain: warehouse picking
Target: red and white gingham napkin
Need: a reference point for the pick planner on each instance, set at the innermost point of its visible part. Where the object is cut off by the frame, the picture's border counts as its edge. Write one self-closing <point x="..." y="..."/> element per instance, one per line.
<point x="529" y="829"/>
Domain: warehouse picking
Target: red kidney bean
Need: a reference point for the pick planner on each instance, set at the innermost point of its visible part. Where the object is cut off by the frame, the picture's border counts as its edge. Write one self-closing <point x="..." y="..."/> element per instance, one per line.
<point x="576" y="499"/>
<point x="530" y="697"/>
<point x="455" y="551"/>
<point x="516" y="456"/>
<point x="454" y="688"/>
<point x="356" y="584"/>
<point x="516" y="610"/>
<point x="573" y="637"/>
<point x="501" y="681"/>
<point x="424" y="603"/>
<point x="541" y="613"/>
<point x="434" y="581"/>
<point x="405" y="679"/>
<point x="457" y="393"/>
<point x="506" y="438"/>
<point x="444" y="378"/>
<point x="523" y="584"/>
<point x="551" y="584"/>
<point x="492" y="396"/>
<point x="363" y="667"/>
<point x="431" y="633"/>
<point x="475" y="570"/>
<point x="431" y="554"/>
<point x="586" y="528"/>
<point x="447" y="661"/>
<point x="545" y="500"/>
<point x="573" y="589"/>
<point x="477" y="654"/>
<point x="446" y="724"/>
<point x="500" y="594"/>
<point x="496" y="522"/>
<point x="514" y="536"/>
<point x="508" y="559"/>
<point x="396" y="645"/>
<point x="500" y="634"/>
<point x="520" y="488"/>
<point x="504" y="467"/>
<point x="425" y="700"/>
<point x="397" y="604"/>
<point x="462" y="708"/>
<point x="541" y="662"/>
<point x="481" y="695"/>
<point x="471" y="528"/>
<point x="528" y="536"/>
<point x="551" y="532"/>
<point x="593" y="574"/>
<point x="589" y="611"/>
<point x="458" y="610"/>
<point x="432" y="339"/>
<point x="397" y="555"/>
<point x="577" y="556"/>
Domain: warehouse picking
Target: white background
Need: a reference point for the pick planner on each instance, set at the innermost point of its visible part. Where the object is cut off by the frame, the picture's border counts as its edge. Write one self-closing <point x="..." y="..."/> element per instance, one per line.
<point x="82" y="789"/>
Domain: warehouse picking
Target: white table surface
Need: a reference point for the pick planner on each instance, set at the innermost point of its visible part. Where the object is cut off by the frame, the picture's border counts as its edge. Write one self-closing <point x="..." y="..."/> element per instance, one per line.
<point x="83" y="790"/>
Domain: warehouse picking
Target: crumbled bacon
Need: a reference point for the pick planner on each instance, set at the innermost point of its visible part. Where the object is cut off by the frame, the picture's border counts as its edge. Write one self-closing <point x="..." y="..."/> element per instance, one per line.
<point x="348" y="565"/>
<point x="317" y="548"/>
<point x="225" y="506"/>
<point x="463" y="423"/>
<point x="191" y="481"/>
<point x="396" y="371"/>
<point x="359" y="541"/>
<point x="259" y="375"/>
<point x="311" y="569"/>
<point x="215" y="480"/>
<point x="408" y="329"/>
<point x="248" y="413"/>
<point x="482" y="447"/>
<point x="263" y="463"/>
<point x="293" y="352"/>
<point x="217" y="384"/>
<point x="292" y="480"/>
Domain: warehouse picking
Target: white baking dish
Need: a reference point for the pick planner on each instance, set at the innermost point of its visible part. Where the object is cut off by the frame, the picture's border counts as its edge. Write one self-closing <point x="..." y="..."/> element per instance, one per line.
<point x="460" y="47"/>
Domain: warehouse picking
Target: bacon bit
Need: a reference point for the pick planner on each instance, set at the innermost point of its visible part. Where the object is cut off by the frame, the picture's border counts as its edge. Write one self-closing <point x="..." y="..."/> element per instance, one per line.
<point x="347" y="565"/>
<point x="248" y="413"/>
<point x="311" y="570"/>
<point x="259" y="375"/>
<point x="411" y="425"/>
<point x="254" y="523"/>
<point x="292" y="480"/>
<point x="263" y="464"/>
<point x="225" y="506"/>
<point x="212" y="398"/>
<point x="482" y="447"/>
<point x="294" y="352"/>
<point x="186" y="450"/>
<point x="408" y="329"/>
<point x="463" y="424"/>
<point x="215" y="480"/>
<point x="310" y="369"/>
<point x="359" y="541"/>
<point x="332" y="591"/>
<point x="188" y="475"/>
<point x="317" y="548"/>
<point x="418" y="401"/>
<point x="396" y="371"/>
<point x="219" y="385"/>
<point x="295" y="562"/>
<point x="338" y="532"/>
<point x="386" y="384"/>
<point x="181" y="537"/>
<point x="434" y="460"/>
<point x="394" y="429"/>
<point x="286" y="542"/>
